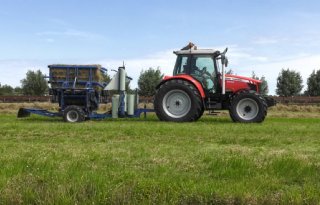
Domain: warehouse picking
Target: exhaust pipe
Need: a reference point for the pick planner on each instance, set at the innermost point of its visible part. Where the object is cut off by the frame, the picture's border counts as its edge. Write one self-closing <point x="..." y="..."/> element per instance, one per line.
<point x="223" y="80"/>
<point x="224" y="63"/>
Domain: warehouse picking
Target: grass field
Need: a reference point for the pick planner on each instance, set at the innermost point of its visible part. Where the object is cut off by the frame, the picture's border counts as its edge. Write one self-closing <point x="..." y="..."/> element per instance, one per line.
<point x="212" y="161"/>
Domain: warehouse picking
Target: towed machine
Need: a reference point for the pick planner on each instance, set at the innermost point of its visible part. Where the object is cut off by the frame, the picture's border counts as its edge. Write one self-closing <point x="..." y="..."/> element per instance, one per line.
<point x="78" y="90"/>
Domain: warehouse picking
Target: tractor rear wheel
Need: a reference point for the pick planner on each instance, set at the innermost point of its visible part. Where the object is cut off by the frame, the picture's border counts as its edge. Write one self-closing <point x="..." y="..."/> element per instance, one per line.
<point x="178" y="101"/>
<point x="73" y="114"/>
<point x="248" y="107"/>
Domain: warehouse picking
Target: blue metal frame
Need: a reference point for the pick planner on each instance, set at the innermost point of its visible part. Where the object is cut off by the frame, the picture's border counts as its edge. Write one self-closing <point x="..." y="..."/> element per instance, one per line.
<point x="137" y="114"/>
<point x="92" y="115"/>
<point x="43" y="112"/>
<point x="66" y="83"/>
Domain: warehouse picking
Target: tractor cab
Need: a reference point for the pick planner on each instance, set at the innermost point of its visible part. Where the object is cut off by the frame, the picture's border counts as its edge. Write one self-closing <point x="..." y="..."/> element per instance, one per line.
<point x="204" y="65"/>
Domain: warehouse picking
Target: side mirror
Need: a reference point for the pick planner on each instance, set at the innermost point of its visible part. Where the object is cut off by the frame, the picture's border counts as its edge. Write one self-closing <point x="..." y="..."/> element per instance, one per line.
<point x="225" y="51"/>
<point x="226" y="61"/>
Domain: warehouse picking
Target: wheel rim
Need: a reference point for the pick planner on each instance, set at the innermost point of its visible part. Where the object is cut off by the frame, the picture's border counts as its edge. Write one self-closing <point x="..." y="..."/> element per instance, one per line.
<point x="176" y="103"/>
<point x="72" y="116"/>
<point x="247" y="109"/>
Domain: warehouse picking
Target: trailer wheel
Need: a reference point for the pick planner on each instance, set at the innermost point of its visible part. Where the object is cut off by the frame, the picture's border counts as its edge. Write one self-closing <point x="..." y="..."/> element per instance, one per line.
<point x="248" y="107"/>
<point x="73" y="114"/>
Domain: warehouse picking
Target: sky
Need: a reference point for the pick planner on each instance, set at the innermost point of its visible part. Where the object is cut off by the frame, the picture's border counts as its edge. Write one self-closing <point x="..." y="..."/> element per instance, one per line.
<point x="263" y="36"/>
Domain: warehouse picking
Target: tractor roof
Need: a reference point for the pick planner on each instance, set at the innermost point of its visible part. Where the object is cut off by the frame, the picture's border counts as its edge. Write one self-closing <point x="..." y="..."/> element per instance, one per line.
<point x="192" y="49"/>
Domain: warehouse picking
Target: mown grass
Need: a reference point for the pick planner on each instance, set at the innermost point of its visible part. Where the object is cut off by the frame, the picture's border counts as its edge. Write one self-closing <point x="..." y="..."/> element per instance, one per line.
<point x="137" y="161"/>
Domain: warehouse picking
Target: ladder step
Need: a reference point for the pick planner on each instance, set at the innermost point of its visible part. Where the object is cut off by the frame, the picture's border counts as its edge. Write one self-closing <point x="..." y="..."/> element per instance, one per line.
<point x="213" y="113"/>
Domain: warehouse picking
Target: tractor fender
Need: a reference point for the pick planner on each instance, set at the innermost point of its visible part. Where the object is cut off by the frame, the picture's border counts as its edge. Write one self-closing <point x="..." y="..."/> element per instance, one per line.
<point x="244" y="90"/>
<point x="188" y="78"/>
<point x="233" y="94"/>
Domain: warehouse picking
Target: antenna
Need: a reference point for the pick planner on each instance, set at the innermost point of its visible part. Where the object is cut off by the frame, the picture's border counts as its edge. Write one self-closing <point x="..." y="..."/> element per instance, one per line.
<point x="123" y="65"/>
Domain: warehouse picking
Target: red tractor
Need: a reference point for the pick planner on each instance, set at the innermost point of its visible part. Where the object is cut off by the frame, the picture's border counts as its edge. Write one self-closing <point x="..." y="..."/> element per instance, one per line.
<point x="199" y="83"/>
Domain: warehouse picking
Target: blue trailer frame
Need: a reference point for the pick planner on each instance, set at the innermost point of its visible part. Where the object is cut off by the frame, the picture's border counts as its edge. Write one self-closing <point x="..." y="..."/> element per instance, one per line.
<point x="25" y="112"/>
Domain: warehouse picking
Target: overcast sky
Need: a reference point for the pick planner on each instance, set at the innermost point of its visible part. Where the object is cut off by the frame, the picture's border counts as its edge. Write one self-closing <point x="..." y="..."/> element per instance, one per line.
<point x="262" y="36"/>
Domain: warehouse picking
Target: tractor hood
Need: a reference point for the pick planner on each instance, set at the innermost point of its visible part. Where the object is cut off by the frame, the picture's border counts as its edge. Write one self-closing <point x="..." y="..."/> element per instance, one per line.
<point x="235" y="83"/>
<point x="242" y="78"/>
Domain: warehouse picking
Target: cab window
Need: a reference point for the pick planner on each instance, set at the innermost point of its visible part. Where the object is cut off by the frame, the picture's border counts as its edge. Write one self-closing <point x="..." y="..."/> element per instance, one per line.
<point x="181" y="66"/>
<point x="203" y="69"/>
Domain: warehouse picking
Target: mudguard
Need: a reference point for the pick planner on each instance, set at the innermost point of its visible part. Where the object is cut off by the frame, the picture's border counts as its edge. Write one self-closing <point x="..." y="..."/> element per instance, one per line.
<point x="188" y="78"/>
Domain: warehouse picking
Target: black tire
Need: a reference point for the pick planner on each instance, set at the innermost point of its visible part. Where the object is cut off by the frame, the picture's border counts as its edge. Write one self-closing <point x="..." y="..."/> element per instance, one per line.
<point x="187" y="97"/>
<point x="201" y="113"/>
<point x="74" y="114"/>
<point x="232" y="117"/>
<point x="247" y="107"/>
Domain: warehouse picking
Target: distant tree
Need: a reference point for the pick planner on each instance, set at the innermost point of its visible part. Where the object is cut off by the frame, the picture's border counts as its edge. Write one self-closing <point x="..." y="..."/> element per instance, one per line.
<point x="34" y="83"/>
<point x="313" y="84"/>
<point x="148" y="80"/>
<point x="263" y="87"/>
<point x="289" y="83"/>
<point x="17" y="90"/>
<point x="6" y="90"/>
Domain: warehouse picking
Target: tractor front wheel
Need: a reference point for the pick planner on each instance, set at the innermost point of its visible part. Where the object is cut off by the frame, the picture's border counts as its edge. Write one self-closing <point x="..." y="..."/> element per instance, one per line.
<point x="248" y="107"/>
<point x="73" y="114"/>
<point x="178" y="101"/>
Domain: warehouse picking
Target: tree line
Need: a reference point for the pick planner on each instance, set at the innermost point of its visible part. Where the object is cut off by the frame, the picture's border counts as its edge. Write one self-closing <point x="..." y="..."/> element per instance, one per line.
<point x="33" y="84"/>
<point x="289" y="83"/>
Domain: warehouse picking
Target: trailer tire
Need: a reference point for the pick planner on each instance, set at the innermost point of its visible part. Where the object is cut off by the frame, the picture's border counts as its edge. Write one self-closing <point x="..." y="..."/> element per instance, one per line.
<point x="74" y="114"/>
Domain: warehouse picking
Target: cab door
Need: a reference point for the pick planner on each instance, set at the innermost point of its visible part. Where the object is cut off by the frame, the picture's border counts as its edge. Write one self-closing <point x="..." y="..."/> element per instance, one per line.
<point x="203" y="69"/>
<point x="182" y="65"/>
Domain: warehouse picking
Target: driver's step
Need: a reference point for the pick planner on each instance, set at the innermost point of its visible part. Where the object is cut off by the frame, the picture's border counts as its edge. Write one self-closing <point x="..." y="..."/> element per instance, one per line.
<point x="213" y="105"/>
<point x="212" y="112"/>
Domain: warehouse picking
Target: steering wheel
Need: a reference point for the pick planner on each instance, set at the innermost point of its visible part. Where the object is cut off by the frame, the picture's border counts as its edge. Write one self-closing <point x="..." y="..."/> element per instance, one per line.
<point x="204" y="72"/>
<point x="200" y="71"/>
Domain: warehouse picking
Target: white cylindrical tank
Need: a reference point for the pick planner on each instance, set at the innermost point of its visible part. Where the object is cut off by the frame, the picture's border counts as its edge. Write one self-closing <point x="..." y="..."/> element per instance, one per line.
<point x="115" y="106"/>
<point x="125" y="102"/>
<point x="130" y="103"/>
<point x="122" y="79"/>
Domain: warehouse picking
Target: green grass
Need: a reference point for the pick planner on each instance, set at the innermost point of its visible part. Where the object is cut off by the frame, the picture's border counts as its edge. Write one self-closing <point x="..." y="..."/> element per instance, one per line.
<point x="212" y="161"/>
